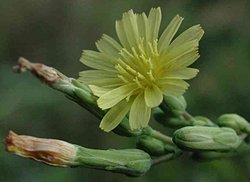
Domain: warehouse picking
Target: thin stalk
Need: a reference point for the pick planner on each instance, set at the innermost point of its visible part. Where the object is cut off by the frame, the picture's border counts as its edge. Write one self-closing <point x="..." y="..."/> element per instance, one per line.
<point x="187" y="116"/>
<point x="162" y="159"/>
<point x="158" y="135"/>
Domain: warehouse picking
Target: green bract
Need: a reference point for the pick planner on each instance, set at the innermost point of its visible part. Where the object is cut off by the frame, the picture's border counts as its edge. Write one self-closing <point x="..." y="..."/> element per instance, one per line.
<point x="132" y="75"/>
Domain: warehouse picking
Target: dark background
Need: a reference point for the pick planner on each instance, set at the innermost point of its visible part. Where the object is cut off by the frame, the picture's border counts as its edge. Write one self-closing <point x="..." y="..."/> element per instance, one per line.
<point x="55" y="33"/>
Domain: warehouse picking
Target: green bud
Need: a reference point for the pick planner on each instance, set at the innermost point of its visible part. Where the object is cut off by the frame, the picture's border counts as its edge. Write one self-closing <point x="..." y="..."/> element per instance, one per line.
<point x="174" y="105"/>
<point x="234" y="121"/>
<point x="201" y="138"/>
<point x="202" y="121"/>
<point x="166" y="120"/>
<point x="151" y="145"/>
<point x="132" y="162"/>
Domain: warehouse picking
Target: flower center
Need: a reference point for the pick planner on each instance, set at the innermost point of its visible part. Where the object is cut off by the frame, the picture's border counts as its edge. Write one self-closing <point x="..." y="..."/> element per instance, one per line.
<point x="138" y="65"/>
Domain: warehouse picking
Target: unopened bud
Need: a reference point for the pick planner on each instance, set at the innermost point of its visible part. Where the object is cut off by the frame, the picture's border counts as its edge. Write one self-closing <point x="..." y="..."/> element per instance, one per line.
<point x="202" y="121"/>
<point x="234" y="121"/>
<point x="173" y="104"/>
<point x="203" y="138"/>
<point x="151" y="145"/>
<point x="132" y="162"/>
<point x="49" y="151"/>
<point x="168" y="120"/>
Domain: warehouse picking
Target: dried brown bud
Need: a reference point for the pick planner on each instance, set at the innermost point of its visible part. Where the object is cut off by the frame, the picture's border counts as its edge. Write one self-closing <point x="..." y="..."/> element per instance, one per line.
<point x="45" y="73"/>
<point x="50" y="151"/>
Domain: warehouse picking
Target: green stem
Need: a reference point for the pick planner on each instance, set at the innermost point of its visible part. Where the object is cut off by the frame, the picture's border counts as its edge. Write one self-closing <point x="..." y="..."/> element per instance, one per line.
<point x="163" y="158"/>
<point x="158" y="135"/>
<point x="187" y="116"/>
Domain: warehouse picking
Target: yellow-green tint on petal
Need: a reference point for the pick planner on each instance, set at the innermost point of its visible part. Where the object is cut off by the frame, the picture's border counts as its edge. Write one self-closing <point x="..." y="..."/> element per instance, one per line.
<point x="193" y="33"/>
<point x="115" y="115"/>
<point x="174" y="52"/>
<point x="173" y="87"/>
<point x="154" y="21"/>
<point x="139" y="113"/>
<point x="169" y="33"/>
<point x="129" y="22"/>
<point x="114" y="96"/>
<point x="109" y="46"/>
<point x="153" y="96"/>
<point x="98" y="60"/>
<point x="99" y="91"/>
<point x="100" y="78"/>
<point x="182" y="73"/>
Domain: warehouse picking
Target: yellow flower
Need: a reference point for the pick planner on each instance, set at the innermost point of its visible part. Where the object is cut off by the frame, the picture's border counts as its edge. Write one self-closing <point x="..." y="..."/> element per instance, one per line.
<point x="132" y="76"/>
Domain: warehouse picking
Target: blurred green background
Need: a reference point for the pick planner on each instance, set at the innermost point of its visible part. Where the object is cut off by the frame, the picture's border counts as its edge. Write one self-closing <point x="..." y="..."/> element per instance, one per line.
<point x="55" y="33"/>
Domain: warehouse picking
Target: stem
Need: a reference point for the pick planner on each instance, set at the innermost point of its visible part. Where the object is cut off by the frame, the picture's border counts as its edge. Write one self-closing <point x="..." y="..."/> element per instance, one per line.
<point x="163" y="158"/>
<point x="158" y="135"/>
<point x="187" y="116"/>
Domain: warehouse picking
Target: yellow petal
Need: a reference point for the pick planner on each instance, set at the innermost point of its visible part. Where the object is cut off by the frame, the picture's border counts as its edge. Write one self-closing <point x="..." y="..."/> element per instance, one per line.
<point x="109" y="46"/>
<point x="183" y="73"/>
<point x="193" y="33"/>
<point x="114" y="96"/>
<point x="115" y="115"/>
<point x="174" y="52"/>
<point x="98" y="60"/>
<point x="154" y="21"/>
<point x="130" y="28"/>
<point x="173" y="87"/>
<point x="127" y="30"/>
<point x="139" y="113"/>
<point x="153" y="96"/>
<point x="169" y="33"/>
<point x="142" y="22"/>
<point x="100" y="78"/>
<point x="179" y="62"/>
<point x="99" y="91"/>
<point x="183" y="60"/>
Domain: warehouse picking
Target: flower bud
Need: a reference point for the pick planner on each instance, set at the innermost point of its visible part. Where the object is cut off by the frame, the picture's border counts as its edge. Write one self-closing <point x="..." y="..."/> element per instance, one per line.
<point x="166" y="120"/>
<point x="234" y="121"/>
<point x="203" y="138"/>
<point x="49" y="151"/>
<point x="151" y="145"/>
<point x="202" y="121"/>
<point x="132" y="162"/>
<point x="173" y="104"/>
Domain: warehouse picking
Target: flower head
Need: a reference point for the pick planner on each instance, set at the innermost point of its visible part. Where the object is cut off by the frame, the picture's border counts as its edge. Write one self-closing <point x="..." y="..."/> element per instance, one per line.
<point x="131" y="76"/>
